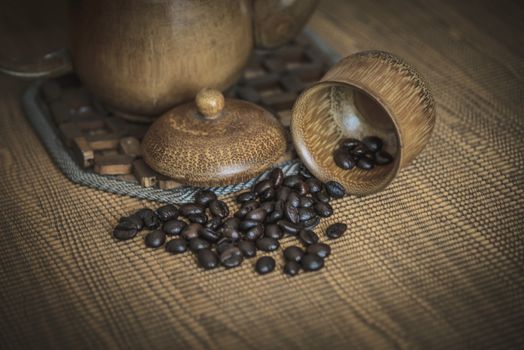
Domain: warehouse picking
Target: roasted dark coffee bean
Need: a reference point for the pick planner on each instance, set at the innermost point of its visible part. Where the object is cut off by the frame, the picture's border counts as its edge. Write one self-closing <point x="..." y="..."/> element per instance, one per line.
<point x="292" y="181"/>
<point x="336" y="230"/>
<point x="142" y="213"/>
<point x="311" y="223"/>
<point x="293" y="199"/>
<point x="219" y="208"/>
<point x="383" y="158"/>
<point x="343" y="159"/>
<point x="231" y="257"/>
<point x="254" y="233"/>
<point x="282" y="193"/>
<point x="155" y="239"/>
<point x="307" y="237"/>
<point x="231" y="223"/>
<point x="301" y="188"/>
<point x="191" y="209"/>
<point x="305" y="214"/>
<point x="264" y="265"/>
<point x="173" y="227"/>
<point x="205" y="197"/>
<point x="208" y="234"/>
<point x="167" y="212"/>
<point x="349" y="144"/>
<point x="198" y="218"/>
<point x="247" y="224"/>
<point x="293" y="253"/>
<point x="231" y="233"/>
<point x="151" y="221"/>
<point x="214" y="223"/>
<point x="313" y="185"/>
<point x="268" y="206"/>
<point x="291" y="213"/>
<point x="267" y="244"/>
<point x="191" y="231"/>
<point x="246" y="208"/>
<point x="198" y="243"/>
<point x="246" y="197"/>
<point x="321" y="249"/>
<point x="304" y="172"/>
<point x="176" y="246"/>
<point x="274" y="231"/>
<point x="335" y="189"/>
<point x="323" y="209"/>
<point x="289" y="227"/>
<point x="123" y="233"/>
<point x="277" y="177"/>
<point x="268" y="194"/>
<point x="131" y="221"/>
<point x="257" y="215"/>
<point x="359" y="151"/>
<point x="306" y="202"/>
<point x="291" y="268"/>
<point x="262" y="186"/>
<point x="373" y="143"/>
<point x="274" y="217"/>
<point x="223" y="244"/>
<point x="311" y="262"/>
<point x="322" y="197"/>
<point x="207" y="259"/>
<point x="365" y="163"/>
<point x="247" y="248"/>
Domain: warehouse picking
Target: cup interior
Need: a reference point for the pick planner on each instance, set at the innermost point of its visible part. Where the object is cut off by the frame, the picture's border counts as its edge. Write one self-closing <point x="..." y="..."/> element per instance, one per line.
<point x="331" y="111"/>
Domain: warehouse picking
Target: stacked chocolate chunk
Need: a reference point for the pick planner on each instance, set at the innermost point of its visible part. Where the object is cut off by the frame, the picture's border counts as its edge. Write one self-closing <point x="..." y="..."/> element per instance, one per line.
<point x="363" y="154"/>
<point x="274" y="208"/>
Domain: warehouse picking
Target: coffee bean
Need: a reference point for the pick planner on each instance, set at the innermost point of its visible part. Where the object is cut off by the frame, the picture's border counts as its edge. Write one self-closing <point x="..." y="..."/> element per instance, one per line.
<point x="291" y="268"/>
<point x="131" y="221"/>
<point x="150" y="219"/>
<point x="304" y="172"/>
<point x="254" y="233"/>
<point x="264" y="265"/>
<point x="207" y="259"/>
<point x="198" y="218"/>
<point x="246" y="208"/>
<point x="124" y="233"/>
<point x="155" y="239"/>
<point x="208" y="234"/>
<point x="247" y="224"/>
<point x="291" y="181"/>
<point x="231" y="257"/>
<point x="336" y="230"/>
<point x="349" y="144"/>
<point x="197" y="244"/>
<point x="142" y="213"/>
<point x="223" y="244"/>
<point x="322" y="197"/>
<point x="306" y="202"/>
<point x="301" y="188"/>
<point x="218" y="208"/>
<point x="305" y="214"/>
<point x="191" y="231"/>
<point x="359" y="151"/>
<point x="176" y="246"/>
<point x="282" y="193"/>
<point x="205" y="197"/>
<point x="191" y="209"/>
<point x="307" y="237"/>
<point x="257" y="215"/>
<point x="268" y="194"/>
<point x="311" y="223"/>
<point x="373" y="143"/>
<point x="335" y="189"/>
<point x="293" y="253"/>
<point x="245" y="197"/>
<point x="343" y="159"/>
<point x="313" y="185"/>
<point x="247" y="248"/>
<point x="167" y="212"/>
<point x="274" y="231"/>
<point x="277" y="177"/>
<point x="365" y="163"/>
<point x="311" y="262"/>
<point x="274" y="217"/>
<point x="321" y="249"/>
<point x="262" y="186"/>
<point x="293" y="199"/>
<point x="231" y="223"/>
<point x="323" y="209"/>
<point x="291" y="213"/>
<point x="288" y="227"/>
<point x="267" y="244"/>
<point x="383" y="158"/>
<point x="268" y="206"/>
<point x="214" y="223"/>
<point x="231" y="233"/>
<point x="173" y="227"/>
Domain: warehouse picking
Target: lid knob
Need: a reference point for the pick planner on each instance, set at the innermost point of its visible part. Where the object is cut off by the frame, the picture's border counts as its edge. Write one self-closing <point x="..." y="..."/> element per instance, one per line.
<point x="209" y="102"/>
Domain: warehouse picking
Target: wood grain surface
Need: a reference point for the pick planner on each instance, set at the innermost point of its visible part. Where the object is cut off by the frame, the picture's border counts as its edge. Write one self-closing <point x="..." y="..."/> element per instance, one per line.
<point x="433" y="262"/>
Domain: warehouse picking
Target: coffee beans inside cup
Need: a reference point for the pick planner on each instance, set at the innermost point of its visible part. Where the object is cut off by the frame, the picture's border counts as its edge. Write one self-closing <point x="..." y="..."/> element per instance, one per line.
<point x="363" y="154"/>
<point x="276" y="207"/>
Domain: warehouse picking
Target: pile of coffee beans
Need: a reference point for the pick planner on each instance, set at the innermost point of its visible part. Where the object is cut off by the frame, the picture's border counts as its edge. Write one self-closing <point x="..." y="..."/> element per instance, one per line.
<point x="363" y="154"/>
<point x="275" y="207"/>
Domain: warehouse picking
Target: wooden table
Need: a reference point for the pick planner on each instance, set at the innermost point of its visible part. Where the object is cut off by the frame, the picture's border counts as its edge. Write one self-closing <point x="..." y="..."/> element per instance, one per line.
<point x="434" y="261"/>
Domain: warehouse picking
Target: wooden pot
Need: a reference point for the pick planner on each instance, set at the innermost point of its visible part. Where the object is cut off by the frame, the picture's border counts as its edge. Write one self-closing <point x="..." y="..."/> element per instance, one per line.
<point x="370" y="93"/>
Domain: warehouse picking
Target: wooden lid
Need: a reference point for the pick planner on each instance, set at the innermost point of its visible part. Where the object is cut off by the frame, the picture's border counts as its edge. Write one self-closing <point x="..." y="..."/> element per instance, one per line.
<point x="213" y="141"/>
